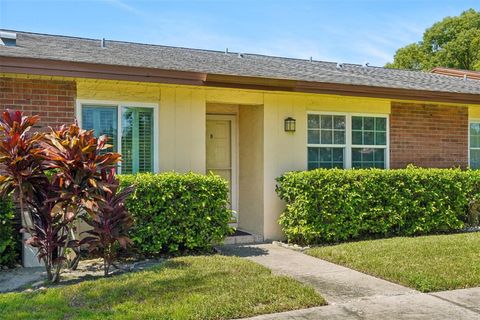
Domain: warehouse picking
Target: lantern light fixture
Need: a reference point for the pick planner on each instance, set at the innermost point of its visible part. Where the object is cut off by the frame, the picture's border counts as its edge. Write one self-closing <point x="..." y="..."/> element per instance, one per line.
<point x="290" y="124"/>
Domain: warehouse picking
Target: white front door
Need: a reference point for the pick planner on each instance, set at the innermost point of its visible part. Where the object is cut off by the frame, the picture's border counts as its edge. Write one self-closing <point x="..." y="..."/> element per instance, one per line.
<point x="221" y="151"/>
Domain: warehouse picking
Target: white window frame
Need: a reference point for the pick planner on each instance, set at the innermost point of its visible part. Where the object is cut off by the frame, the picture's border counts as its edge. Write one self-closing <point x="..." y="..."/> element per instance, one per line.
<point x="348" y="136"/>
<point x="470" y="121"/>
<point x="121" y="105"/>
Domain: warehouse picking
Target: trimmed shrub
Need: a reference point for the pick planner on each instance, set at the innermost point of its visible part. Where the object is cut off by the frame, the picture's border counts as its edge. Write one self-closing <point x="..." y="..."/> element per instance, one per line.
<point x="8" y="239"/>
<point x="177" y="212"/>
<point x="330" y="205"/>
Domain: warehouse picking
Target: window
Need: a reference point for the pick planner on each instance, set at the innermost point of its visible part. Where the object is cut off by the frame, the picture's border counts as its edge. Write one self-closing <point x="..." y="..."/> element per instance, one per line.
<point x="347" y="141"/>
<point x="475" y="145"/>
<point x="131" y="134"/>
<point x="369" y="142"/>
<point x="326" y="141"/>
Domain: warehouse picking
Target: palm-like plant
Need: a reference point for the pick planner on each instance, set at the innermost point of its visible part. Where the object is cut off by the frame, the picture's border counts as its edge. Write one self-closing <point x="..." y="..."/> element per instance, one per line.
<point x="21" y="161"/>
<point x="55" y="176"/>
<point x="49" y="233"/>
<point x="109" y="219"/>
<point x="77" y="157"/>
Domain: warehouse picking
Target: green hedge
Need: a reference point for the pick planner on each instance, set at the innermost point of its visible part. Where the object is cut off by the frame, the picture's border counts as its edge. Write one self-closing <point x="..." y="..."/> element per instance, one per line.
<point x="330" y="205"/>
<point x="177" y="212"/>
<point x="8" y="238"/>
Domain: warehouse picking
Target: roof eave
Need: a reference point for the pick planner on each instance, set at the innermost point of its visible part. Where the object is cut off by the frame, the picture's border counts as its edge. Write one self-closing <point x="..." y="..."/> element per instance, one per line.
<point x="140" y="74"/>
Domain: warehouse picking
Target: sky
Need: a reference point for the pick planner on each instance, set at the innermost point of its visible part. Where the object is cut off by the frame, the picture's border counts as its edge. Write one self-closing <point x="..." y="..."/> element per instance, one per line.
<point x="348" y="31"/>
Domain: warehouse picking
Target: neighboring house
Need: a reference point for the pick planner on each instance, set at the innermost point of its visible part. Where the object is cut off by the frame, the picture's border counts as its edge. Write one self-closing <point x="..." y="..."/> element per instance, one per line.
<point x="467" y="74"/>
<point x="246" y="117"/>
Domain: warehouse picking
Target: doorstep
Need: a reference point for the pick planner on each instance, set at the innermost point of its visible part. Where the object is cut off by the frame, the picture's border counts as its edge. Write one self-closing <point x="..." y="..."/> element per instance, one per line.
<point x="243" y="237"/>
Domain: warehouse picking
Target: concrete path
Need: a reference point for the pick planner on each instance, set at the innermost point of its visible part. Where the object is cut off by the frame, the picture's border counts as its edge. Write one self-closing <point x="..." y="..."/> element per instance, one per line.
<point x="11" y="280"/>
<point x="354" y="295"/>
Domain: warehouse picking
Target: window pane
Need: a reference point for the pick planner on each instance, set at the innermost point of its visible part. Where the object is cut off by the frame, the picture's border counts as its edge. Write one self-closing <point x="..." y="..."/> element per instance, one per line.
<point x="380" y="124"/>
<point x="368" y="123"/>
<point x="475" y="128"/>
<point x="326" y="137"/>
<point x="313" y="154"/>
<point x="381" y="138"/>
<point x="337" y="155"/>
<point x="368" y="138"/>
<point x="321" y="157"/>
<point x="367" y="154"/>
<point x="137" y="140"/>
<point x="313" y="165"/>
<point x="379" y="155"/>
<point x="327" y="122"/>
<point x="475" y="141"/>
<point x="313" y="121"/>
<point x="325" y="154"/>
<point x="357" y="123"/>
<point x="314" y="136"/>
<point x="339" y="122"/>
<point x="368" y="157"/>
<point x="103" y="120"/>
<point x="339" y="137"/>
<point x="475" y="135"/>
<point x="475" y="158"/>
<point x="357" y="137"/>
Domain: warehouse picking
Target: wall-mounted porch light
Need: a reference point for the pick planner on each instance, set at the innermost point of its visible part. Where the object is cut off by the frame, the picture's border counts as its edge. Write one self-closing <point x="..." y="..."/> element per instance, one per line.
<point x="290" y="124"/>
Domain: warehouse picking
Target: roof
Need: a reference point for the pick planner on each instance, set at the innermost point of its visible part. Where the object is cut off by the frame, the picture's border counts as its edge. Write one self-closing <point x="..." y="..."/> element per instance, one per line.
<point x="467" y="74"/>
<point x="127" y="54"/>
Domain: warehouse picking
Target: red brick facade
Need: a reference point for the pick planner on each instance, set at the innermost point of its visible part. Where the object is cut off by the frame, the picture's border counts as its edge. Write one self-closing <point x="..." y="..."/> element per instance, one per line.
<point x="53" y="101"/>
<point x="428" y="135"/>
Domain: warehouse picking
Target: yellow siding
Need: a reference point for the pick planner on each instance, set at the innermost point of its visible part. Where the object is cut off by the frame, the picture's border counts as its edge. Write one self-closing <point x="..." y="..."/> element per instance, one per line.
<point x="474" y="112"/>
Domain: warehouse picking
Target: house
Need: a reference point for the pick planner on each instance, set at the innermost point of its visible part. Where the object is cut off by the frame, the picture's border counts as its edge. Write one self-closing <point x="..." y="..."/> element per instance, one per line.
<point x="246" y="117"/>
<point x="467" y="74"/>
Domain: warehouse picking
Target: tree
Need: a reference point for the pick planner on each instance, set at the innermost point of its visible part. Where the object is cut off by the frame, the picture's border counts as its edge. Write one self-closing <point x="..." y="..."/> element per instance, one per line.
<point x="453" y="42"/>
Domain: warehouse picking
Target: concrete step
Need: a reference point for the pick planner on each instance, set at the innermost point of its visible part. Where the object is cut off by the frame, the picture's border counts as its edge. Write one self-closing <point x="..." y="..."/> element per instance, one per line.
<point x="243" y="239"/>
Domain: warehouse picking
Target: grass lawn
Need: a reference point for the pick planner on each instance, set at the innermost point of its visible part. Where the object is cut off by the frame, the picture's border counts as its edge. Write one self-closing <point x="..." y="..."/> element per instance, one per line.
<point x="430" y="263"/>
<point x="202" y="287"/>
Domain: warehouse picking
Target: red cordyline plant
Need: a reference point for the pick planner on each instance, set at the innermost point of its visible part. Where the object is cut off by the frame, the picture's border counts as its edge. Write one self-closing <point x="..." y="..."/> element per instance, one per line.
<point x="21" y="163"/>
<point x="77" y="157"/>
<point x="49" y="232"/>
<point x="109" y="219"/>
<point x="54" y="176"/>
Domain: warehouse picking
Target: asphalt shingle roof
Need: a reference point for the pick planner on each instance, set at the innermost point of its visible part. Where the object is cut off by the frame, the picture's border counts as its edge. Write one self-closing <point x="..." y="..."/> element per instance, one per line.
<point x="32" y="45"/>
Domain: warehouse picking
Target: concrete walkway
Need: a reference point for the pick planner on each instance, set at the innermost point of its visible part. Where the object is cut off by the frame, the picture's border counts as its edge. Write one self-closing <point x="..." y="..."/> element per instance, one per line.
<point x="355" y="295"/>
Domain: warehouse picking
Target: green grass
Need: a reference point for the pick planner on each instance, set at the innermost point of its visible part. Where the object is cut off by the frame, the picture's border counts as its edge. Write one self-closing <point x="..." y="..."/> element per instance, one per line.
<point x="430" y="263"/>
<point x="202" y="287"/>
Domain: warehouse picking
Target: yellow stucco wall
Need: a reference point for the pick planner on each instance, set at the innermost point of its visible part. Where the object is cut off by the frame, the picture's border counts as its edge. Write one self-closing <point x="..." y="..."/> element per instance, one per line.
<point x="181" y="131"/>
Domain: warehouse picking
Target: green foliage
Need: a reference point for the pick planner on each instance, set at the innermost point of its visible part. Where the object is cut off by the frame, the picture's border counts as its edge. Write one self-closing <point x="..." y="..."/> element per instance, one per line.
<point x="177" y="212"/>
<point x="337" y="205"/>
<point x="8" y="253"/>
<point x="453" y="42"/>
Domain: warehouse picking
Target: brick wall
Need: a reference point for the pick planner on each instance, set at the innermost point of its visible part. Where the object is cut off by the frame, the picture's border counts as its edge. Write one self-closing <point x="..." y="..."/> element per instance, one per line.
<point x="428" y="135"/>
<point x="53" y="101"/>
